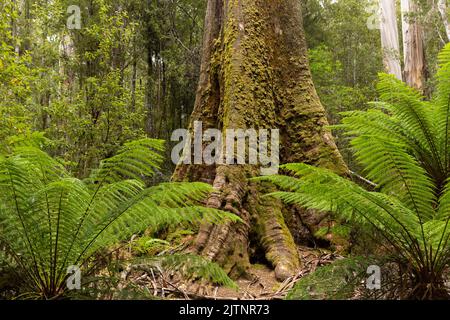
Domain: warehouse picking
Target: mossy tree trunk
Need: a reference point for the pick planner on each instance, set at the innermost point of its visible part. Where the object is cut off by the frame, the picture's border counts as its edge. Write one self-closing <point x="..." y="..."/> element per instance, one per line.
<point x="255" y="74"/>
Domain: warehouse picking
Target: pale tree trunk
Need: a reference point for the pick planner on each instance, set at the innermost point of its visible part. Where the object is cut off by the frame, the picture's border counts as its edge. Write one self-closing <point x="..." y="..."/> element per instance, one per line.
<point x="413" y="46"/>
<point x="389" y="38"/>
<point x="255" y="74"/>
<point x="442" y="6"/>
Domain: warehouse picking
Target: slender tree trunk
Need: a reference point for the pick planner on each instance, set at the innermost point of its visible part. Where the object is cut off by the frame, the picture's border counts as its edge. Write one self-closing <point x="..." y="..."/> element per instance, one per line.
<point x="413" y="47"/>
<point x="255" y="74"/>
<point x="133" y="85"/>
<point x="390" y="38"/>
<point x="443" y="10"/>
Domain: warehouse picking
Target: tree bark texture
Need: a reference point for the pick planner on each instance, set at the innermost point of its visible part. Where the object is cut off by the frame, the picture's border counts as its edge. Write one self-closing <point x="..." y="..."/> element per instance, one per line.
<point x="390" y="39"/>
<point x="255" y="75"/>
<point x="413" y="46"/>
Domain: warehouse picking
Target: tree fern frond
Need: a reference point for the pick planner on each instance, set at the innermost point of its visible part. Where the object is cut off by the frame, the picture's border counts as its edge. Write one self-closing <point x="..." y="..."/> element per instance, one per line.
<point x="135" y="160"/>
<point x="374" y="122"/>
<point x="396" y="172"/>
<point x="443" y="211"/>
<point x="191" y="266"/>
<point x="442" y="102"/>
<point x="408" y="105"/>
<point x="323" y="190"/>
<point x="403" y="146"/>
<point x="49" y="220"/>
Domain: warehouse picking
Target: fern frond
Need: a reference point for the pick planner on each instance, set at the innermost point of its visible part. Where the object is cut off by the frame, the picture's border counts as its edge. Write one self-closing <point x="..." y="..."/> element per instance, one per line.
<point x="442" y="105"/>
<point x="323" y="190"/>
<point x="49" y="220"/>
<point x="396" y="172"/>
<point x="408" y="106"/>
<point x="192" y="267"/>
<point x="135" y="160"/>
<point x="335" y="281"/>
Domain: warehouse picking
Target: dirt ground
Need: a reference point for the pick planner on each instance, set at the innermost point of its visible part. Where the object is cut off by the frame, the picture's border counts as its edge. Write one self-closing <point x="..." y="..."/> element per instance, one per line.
<point x="262" y="286"/>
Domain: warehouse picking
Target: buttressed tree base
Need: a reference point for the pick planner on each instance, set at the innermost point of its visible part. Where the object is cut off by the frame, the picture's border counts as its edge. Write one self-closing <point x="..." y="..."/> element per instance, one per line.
<point x="255" y="74"/>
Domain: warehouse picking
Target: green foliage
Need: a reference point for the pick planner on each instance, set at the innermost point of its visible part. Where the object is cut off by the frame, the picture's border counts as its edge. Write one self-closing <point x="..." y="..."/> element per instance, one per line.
<point x="403" y="146"/>
<point x="130" y="71"/>
<point x="16" y="76"/>
<point x="338" y="230"/>
<point x="435" y="38"/>
<point x="335" y="93"/>
<point x="148" y="245"/>
<point x="345" y="58"/>
<point x="111" y="285"/>
<point x="336" y="281"/>
<point x="339" y="30"/>
<point x="50" y="220"/>
<point x="198" y="268"/>
<point x="191" y="267"/>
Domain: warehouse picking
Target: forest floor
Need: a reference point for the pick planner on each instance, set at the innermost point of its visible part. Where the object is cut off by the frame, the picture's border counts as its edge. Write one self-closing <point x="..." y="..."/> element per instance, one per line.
<point x="265" y="285"/>
<point x="262" y="286"/>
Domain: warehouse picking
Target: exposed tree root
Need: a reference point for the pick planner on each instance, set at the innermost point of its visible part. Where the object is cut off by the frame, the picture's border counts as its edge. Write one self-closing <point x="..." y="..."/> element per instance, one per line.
<point x="275" y="237"/>
<point x="228" y="243"/>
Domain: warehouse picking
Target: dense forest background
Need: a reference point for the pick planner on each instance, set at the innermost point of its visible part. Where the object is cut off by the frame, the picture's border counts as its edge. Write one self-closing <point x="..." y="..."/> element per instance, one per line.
<point x="130" y="73"/>
<point x="132" y="69"/>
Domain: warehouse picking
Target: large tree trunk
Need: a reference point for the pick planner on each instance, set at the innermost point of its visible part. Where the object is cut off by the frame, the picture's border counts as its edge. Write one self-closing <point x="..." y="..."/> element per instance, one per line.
<point x="413" y="47"/>
<point x="255" y="74"/>
<point x="389" y="38"/>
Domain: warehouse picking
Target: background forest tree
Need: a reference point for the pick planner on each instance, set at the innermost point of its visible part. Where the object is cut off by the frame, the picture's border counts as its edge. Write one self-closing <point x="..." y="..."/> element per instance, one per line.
<point x="147" y="53"/>
<point x="130" y="70"/>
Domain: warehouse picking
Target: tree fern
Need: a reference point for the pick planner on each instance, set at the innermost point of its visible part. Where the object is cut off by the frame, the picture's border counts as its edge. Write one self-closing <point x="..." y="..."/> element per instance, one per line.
<point x="403" y="146"/>
<point x="50" y="220"/>
<point x="336" y="281"/>
<point x="190" y="266"/>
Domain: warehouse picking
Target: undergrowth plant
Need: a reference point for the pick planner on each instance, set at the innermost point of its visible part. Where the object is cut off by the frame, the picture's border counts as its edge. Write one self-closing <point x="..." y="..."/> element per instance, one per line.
<point x="50" y="220"/>
<point x="335" y="281"/>
<point x="403" y="144"/>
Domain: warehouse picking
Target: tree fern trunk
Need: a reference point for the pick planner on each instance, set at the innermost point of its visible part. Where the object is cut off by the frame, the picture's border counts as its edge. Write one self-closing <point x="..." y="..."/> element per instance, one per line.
<point x="255" y="74"/>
